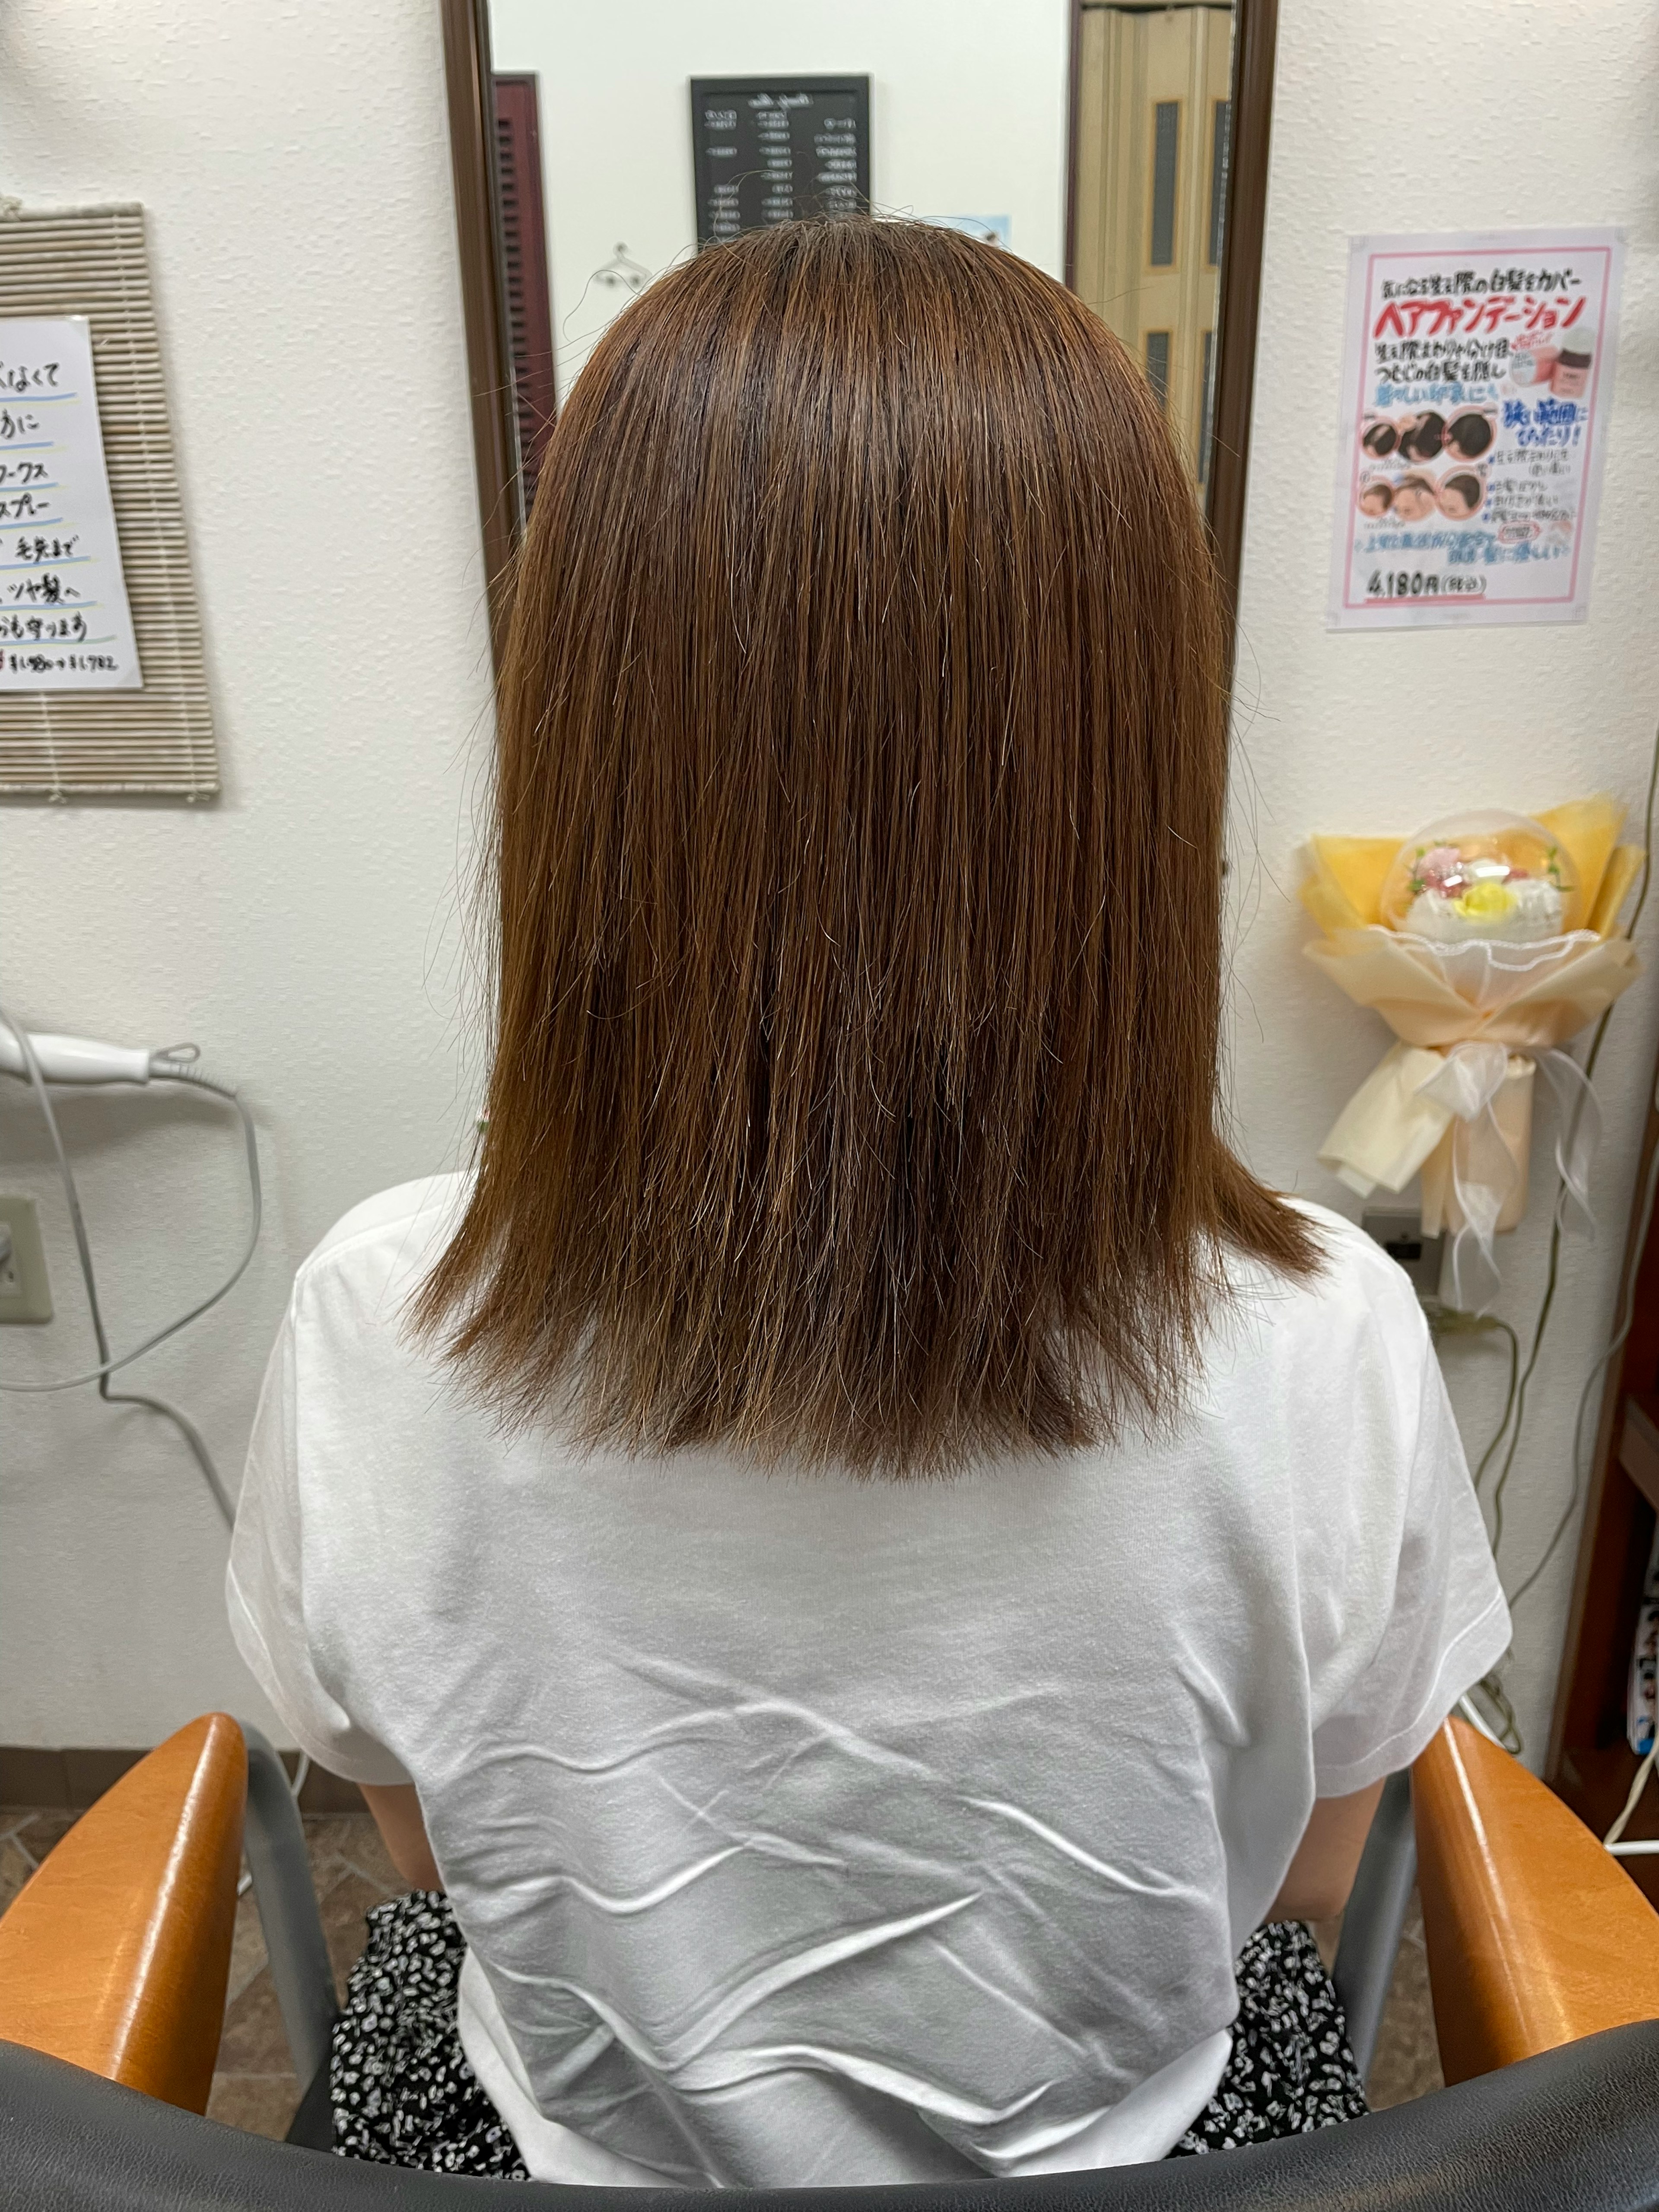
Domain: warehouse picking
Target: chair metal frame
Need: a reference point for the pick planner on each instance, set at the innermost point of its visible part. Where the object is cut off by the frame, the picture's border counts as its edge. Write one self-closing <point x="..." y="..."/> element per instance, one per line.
<point x="274" y="1839"/>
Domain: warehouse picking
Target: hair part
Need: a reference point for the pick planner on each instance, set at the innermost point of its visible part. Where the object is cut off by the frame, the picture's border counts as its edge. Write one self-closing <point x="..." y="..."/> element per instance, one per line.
<point x="857" y="877"/>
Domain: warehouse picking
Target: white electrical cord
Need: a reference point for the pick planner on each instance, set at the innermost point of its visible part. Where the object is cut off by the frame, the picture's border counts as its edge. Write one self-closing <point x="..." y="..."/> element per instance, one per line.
<point x="74" y="1059"/>
<point x="1615" y="1345"/>
<point x="1466" y="1706"/>
<point x="1640" y="1847"/>
<point x="175" y="1066"/>
<point x="1638" y="1783"/>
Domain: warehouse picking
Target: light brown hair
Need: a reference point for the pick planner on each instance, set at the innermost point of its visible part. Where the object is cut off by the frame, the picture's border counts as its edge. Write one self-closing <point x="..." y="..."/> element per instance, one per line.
<point x="857" y="867"/>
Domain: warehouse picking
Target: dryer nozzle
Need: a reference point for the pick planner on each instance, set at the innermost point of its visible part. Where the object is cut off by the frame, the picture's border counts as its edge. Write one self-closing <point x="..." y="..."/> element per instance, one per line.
<point x="74" y="1059"/>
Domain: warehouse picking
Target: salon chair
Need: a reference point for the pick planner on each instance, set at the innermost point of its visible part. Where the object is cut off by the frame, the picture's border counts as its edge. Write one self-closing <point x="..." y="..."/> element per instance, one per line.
<point x="1543" y="1955"/>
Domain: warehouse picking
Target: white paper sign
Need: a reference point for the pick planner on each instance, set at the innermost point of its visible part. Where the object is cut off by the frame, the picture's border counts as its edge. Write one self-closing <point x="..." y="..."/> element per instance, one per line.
<point x="64" y="622"/>
<point x="1477" y="380"/>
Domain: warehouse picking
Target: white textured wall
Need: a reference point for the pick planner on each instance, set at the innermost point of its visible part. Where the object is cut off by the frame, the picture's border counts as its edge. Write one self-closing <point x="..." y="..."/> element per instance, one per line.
<point x="1478" y="114"/>
<point x="967" y="104"/>
<point x="294" y="160"/>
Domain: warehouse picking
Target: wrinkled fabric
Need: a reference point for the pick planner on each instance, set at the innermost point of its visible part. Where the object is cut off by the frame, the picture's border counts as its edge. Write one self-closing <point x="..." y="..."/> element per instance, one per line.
<point x="404" y="2093"/>
<point x="808" y="1829"/>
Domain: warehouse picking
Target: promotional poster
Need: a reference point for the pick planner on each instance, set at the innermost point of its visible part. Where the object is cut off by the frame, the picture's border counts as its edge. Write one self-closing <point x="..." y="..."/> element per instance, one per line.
<point x="1476" y="381"/>
<point x="65" y="624"/>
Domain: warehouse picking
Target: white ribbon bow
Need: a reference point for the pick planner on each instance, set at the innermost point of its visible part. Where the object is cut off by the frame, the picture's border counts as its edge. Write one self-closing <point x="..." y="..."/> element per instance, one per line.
<point x="1577" y="1138"/>
<point x="1484" y="1169"/>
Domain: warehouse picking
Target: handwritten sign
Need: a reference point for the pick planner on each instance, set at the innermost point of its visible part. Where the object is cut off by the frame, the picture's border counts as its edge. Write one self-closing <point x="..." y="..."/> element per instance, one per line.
<point x="64" y="622"/>
<point x="1475" y="393"/>
<point x="769" y="150"/>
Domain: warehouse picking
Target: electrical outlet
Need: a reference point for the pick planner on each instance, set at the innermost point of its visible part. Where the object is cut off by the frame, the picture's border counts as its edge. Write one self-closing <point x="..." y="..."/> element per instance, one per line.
<point x="1399" y="1232"/>
<point x="25" y="1287"/>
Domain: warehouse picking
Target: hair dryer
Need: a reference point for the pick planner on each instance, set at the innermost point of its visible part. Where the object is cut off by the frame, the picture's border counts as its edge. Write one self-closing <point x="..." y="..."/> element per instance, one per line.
<point x="84" y="1059"/>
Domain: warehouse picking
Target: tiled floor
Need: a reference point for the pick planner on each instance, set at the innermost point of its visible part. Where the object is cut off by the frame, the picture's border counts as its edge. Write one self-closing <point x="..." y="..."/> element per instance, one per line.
<point x="26" y="1837"/>
<point x="255" y="2089"/>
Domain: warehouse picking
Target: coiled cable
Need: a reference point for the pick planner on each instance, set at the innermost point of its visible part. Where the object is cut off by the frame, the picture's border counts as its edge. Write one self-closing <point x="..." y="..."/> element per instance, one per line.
<point x="177" y="1064"/>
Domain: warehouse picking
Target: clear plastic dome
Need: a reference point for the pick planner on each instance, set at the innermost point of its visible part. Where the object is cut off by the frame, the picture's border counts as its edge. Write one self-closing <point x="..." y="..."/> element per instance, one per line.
<point x="1483" y="876"/>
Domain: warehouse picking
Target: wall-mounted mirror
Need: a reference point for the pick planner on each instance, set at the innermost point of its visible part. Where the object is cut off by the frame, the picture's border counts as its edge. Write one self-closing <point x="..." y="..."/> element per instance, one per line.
<point x="1118" y="145"/>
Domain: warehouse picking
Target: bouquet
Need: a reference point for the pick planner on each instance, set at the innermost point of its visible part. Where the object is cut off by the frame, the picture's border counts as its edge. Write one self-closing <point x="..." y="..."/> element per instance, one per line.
<point x="1484" y="942"/>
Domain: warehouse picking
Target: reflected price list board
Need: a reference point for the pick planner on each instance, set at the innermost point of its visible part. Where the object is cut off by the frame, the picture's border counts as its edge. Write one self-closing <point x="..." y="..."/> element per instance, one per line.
<point x="773" y="149"/>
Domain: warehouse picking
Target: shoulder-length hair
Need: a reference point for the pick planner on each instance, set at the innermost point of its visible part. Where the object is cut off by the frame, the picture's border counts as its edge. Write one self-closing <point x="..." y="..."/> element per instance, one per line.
<point x="857" y="875"/>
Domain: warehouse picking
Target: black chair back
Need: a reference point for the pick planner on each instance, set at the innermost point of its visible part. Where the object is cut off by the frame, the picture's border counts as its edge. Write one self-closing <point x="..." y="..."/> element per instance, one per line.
<point x="1578" y="2128"/>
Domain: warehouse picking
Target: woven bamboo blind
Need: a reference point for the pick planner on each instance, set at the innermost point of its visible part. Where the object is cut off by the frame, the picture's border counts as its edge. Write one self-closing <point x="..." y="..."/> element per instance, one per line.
<point x="92" y="262"/>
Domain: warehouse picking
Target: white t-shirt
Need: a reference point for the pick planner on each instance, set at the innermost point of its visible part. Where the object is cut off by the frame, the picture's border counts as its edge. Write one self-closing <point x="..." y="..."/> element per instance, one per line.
<point x="808" y="1829"/>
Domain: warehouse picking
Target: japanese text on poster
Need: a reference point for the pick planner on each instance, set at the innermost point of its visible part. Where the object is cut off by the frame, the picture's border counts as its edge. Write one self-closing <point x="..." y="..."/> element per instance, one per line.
<point x="1476" y="384"/>
<point x="64" y="622"/>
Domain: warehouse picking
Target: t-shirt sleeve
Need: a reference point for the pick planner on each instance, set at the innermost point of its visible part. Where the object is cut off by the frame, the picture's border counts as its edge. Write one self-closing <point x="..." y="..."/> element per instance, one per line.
<point x="265" y="1587"/>
<point x="1446" y="1623"/>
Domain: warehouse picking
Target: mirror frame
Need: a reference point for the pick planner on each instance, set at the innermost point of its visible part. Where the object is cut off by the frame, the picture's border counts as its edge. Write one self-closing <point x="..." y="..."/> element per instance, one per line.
<point x="483" y="303"/>
<point x="1255" y="40"/>
<point x="478" y="225"/>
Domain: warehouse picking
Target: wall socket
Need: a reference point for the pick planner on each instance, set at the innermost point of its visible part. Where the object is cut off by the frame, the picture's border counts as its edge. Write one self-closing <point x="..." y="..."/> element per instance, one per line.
<point x="25" y="1287"/>
<point x="1399" y="1231"/>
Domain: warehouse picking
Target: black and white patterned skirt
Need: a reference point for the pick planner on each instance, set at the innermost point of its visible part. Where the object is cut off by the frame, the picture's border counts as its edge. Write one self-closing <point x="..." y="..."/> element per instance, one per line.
<point x="404" y="2093"/>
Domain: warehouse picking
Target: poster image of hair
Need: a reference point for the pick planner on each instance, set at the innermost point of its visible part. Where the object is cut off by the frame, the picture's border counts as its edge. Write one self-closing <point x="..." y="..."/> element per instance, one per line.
<point x="1477" y="378"/>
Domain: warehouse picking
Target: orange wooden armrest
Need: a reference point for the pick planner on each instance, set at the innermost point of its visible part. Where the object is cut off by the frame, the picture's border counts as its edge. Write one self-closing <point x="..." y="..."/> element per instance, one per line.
<point x="1535" y="1935"/>
<point x="115" y="1956"/>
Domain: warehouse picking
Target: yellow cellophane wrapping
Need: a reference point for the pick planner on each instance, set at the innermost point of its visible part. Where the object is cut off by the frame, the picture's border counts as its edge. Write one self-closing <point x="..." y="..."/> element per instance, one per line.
<point x="1385" y="1132"/>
